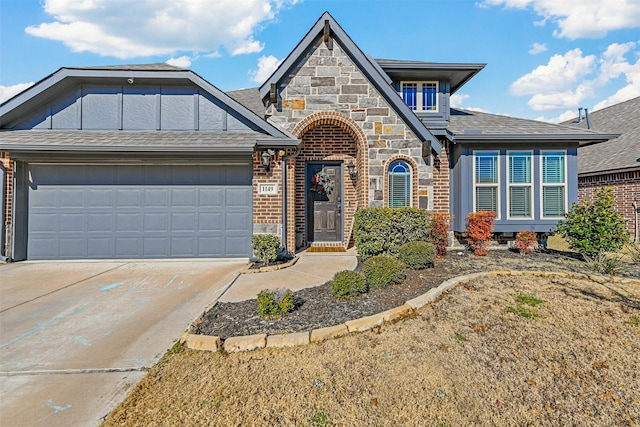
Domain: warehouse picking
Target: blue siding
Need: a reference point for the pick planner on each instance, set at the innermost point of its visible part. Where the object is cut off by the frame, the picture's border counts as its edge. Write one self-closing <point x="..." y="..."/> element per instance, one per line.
<point x="115" y="107"/>
<point x="462" y="186"/>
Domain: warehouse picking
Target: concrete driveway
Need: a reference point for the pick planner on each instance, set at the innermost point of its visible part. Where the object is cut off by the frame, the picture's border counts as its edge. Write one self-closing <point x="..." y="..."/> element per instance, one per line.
<point x="75" y="336"/>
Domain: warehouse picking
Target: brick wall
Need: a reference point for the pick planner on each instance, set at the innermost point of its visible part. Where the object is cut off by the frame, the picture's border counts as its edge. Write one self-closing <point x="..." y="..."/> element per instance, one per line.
<point x="267" y="208"/>
<point x="327" y="142"/>
<point x="441" y="181"/>
<point x="626" y="190"/>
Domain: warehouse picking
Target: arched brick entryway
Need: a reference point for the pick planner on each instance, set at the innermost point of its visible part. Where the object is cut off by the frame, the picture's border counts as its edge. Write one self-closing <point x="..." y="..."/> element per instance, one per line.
<point x="333" y="139"/>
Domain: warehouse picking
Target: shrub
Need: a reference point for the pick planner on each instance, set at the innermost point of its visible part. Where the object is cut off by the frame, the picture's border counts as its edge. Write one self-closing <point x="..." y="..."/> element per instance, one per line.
<point x="417" y="255"/>
<point x="593" y="228"/>
<point x="275" y="303"/>
<point x="383" y="230"/>
<point x="265" y="247"/>
<point x="440" y="224"/>
<point x="526" y="242"/>
<point x="348" y="284"/>
<point x="480" y="231"/>
<point x="604" y="264"/>
<point x="383" y="270"/>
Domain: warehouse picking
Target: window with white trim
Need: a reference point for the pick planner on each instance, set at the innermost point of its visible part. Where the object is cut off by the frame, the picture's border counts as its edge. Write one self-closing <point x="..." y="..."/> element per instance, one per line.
<point x="486" y="181"/>
<point x="554" y="183"/>
<point x="420" y="96"/>
<point x="520" y="184"/>
<point x="399" y="184"/>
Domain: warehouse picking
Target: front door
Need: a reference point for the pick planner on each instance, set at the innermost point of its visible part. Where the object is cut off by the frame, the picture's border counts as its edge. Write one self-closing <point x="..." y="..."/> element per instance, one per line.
<point x="324" y="202"/>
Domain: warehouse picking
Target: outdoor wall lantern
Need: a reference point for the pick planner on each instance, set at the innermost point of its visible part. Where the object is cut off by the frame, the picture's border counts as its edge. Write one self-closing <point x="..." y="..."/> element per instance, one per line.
<point x="266" y="159"/>
<point x="353" y="173"/>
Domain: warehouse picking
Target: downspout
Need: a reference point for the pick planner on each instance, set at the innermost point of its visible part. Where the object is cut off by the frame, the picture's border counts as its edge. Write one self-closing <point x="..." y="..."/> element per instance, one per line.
<point x="635" y="217"/>
<point x="5" y="228"/>
<point x="284" y="197"/>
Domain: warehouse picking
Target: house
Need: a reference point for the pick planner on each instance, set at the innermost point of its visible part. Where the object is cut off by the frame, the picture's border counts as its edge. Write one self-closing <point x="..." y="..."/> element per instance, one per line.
<point x="615" y="164"/>
<point x="151" y="161"/>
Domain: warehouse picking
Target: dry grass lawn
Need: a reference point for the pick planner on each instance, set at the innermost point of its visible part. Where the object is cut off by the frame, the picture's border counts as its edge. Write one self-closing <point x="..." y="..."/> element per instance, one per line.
<point x="499" y="351"/>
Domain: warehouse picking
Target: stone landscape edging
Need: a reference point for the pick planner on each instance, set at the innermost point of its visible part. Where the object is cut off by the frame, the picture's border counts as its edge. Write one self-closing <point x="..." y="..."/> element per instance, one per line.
<point x="411" y="308"/>
<point x="275" y="267"/>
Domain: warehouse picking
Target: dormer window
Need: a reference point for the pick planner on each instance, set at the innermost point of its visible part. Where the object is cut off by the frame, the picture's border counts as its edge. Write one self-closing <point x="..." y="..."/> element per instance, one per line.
<point x="420" y="96"/>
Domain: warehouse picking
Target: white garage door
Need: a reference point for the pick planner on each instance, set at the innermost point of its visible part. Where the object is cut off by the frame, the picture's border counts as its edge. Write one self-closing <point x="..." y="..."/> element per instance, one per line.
<point x="139" y="211"/>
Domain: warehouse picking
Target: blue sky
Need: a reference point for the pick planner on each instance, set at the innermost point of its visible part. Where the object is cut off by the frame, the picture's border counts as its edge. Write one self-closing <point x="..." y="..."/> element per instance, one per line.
<point x="545" y="58"/>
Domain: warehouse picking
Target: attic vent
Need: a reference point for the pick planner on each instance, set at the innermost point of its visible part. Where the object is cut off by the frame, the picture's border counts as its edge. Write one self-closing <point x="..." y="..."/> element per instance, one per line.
<point x="473" y="131"/>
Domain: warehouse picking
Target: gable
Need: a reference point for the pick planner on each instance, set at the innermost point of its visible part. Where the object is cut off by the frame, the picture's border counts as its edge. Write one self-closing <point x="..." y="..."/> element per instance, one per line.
<point x="134" y="107"/>
<point x="327" y="31"/>
<point x="125" y="99"/>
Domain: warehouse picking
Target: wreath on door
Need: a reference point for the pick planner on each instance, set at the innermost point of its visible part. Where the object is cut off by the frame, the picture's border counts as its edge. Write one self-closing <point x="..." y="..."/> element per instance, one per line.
<point x="321" y="183"/>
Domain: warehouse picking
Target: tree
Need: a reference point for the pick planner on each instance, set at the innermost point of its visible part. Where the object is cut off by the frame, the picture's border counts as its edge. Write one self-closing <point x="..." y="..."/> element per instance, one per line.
<point x="593" y="228"/>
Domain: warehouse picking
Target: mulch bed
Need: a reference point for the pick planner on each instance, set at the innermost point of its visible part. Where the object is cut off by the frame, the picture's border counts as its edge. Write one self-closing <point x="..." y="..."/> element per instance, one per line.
<point x="315" y="308"/>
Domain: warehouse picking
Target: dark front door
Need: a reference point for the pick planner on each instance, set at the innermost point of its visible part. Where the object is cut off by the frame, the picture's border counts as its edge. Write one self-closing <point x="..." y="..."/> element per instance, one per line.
<point x="324" y="202"/>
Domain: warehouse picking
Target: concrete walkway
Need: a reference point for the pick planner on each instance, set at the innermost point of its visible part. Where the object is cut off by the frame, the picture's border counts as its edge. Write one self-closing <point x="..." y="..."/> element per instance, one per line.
<point x="312" y="269"/>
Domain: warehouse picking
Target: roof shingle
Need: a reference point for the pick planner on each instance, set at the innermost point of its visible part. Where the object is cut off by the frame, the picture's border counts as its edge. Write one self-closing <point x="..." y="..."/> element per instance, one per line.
<point x="618" y="154"/>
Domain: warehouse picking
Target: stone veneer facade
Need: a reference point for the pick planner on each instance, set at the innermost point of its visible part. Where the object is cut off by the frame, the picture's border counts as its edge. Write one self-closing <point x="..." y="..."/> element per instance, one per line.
<point x="339" y="116"/>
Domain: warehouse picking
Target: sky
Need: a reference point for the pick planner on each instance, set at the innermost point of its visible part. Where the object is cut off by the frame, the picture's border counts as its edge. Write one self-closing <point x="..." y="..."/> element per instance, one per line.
<point x="545" y="58"/>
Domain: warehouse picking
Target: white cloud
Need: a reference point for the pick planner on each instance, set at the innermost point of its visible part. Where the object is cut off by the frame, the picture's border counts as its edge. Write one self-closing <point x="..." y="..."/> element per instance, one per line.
<point x="580" y="18"/>
<point x="457" y="99"/>
<point x="568" y="81"/>
<point x="557" y="75"/>
<point x="538" y="48"/>
<point x="7" y="92"/>
<point x="182" y="62"/>
<point x="134" y="28"/>
<point x="266" y="66"/>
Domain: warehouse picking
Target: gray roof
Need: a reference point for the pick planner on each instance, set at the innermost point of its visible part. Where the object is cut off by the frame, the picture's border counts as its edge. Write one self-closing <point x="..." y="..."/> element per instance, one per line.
<point x="137" y="141"/>
<point x="620" y="154"/>
<point x="158" y="66"/>
<point x="368" y="67"/>
<point x="250" y="98"/>
<point x="471" y="126"/>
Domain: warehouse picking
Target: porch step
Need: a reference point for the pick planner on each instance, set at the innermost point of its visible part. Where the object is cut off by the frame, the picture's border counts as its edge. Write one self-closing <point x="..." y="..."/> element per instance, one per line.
<point x="327" y="248"/>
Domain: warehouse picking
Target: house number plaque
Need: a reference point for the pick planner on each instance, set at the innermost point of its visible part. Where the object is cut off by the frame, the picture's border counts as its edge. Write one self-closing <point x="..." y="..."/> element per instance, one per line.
<point x="268" y="189"/>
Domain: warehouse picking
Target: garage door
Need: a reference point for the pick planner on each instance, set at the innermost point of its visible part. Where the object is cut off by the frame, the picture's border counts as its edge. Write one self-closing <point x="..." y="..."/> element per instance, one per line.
<point x="139" y="211"/>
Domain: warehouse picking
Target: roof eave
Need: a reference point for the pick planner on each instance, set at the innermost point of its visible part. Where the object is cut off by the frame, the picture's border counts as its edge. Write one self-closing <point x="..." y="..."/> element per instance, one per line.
<point x="581" y="139"/>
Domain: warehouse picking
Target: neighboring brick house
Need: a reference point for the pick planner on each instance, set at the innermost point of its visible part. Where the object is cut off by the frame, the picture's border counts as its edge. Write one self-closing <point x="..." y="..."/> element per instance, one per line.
<point x="615" y="164"/>
<point x="153" y="161"/>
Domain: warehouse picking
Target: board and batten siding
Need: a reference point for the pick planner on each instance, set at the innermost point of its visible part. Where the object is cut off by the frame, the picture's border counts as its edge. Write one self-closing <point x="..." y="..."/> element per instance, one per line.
<point x="117" y="107"/>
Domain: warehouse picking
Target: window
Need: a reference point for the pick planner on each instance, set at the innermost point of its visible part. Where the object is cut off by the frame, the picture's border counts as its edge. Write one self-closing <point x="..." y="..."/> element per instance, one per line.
<point x="399" y="184"/>
<point x="554" y="184"/>
<point x="420" y="96"/>
<point x="486" y="183"/>
<point x="520" y="184"/>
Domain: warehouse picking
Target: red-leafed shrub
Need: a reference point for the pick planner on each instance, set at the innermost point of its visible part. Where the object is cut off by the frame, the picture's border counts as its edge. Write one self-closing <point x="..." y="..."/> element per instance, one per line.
<point x="480" y="231"/>
<point x="440" y="223"/>
<point x="526" y="242"/>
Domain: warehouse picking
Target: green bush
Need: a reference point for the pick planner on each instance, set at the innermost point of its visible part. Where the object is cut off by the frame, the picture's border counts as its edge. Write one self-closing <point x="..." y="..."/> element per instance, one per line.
<point x="265" y="247"/>
<point x="383" y="270"/>
<point x="383" y="230"/>
<point x="593" y="228"/>
<point x="275" y="303"/>
<point x="348" y="284"/>
<point x="417" y="255"/>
